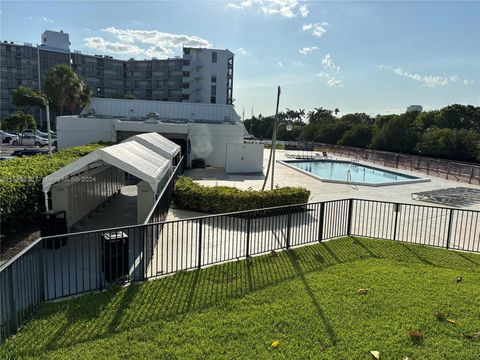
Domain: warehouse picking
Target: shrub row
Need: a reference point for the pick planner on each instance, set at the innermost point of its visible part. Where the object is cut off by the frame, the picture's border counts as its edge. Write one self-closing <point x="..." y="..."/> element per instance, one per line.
<point x="21" y="195"/>
<point x="222" y="199"/>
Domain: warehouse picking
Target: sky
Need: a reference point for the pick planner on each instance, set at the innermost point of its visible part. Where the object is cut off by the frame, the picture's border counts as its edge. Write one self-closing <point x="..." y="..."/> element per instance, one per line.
<point x="376" y="57"/>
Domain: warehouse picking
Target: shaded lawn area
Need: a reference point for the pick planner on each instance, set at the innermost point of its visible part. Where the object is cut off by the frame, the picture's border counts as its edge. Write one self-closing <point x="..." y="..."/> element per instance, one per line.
<point x="305" y="298"/>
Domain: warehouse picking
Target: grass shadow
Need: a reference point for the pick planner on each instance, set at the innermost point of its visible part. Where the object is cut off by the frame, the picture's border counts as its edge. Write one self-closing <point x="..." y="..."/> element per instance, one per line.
<point x="103" y="315"/>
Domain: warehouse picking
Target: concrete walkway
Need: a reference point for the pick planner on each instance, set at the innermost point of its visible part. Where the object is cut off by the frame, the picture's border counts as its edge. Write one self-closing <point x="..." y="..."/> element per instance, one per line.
<point x="120" y="210"/>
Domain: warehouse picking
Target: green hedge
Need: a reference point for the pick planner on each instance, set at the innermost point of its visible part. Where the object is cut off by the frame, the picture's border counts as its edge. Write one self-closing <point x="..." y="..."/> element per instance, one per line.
<point x="222" y="199"/>
<point x="21" y="195"/>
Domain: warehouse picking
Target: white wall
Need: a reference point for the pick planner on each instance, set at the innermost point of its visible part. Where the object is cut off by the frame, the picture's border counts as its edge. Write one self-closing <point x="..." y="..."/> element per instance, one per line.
<point x="244" y="158"/>
<point x="56" y="40"/>
<point x="203" y="57"/>
<point x="116" y="108"/>
<point x="74" y="131"/>
<point x="209" y="141"/>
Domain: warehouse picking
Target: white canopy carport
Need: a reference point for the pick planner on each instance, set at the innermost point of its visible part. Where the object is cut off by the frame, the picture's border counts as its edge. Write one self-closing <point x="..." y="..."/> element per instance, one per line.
<point x="157" y="143"/>
<point x="131" y="157"/>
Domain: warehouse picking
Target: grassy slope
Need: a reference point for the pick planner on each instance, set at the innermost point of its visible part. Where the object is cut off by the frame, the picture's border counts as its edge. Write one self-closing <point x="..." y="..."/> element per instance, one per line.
<point x="306" y="298"/>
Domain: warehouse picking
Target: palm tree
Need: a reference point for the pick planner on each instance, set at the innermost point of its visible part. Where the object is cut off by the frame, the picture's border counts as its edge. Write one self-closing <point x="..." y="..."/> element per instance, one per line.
<point x="65" y="88"/>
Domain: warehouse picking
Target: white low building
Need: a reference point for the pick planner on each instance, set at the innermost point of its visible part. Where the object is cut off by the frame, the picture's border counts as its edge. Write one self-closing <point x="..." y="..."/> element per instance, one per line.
<point x="202" y="130"/>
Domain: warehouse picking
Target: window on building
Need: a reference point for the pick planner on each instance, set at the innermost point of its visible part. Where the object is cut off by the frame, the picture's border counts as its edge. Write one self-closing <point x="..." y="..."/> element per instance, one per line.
<point x="214" y="57"/>
<point x="214" y="90"/>
<point x="214" y="78"/>
<point x="213" y="100"/>
<point x="186" y="51"/>
<point x="185" y="85"/>
<point x="186" y="73"/>
<point x="185" y="97"/>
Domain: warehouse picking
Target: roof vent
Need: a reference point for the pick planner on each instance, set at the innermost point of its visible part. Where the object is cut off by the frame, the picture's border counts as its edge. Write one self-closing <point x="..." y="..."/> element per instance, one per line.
<point x="152" y="118"/>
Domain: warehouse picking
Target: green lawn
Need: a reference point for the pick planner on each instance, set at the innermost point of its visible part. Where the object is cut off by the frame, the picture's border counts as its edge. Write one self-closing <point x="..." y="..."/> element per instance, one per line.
<point x="304" y="298"/>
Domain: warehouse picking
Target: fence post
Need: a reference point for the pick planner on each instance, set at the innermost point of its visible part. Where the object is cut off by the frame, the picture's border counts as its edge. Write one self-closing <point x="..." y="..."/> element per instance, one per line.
<point x="289" y="227"/>
<point x="449" y="231"/>
<point x="101" y="263"/>
<point x="200" y="234"/>
<point x="350" y="210"/>
<point x="41" y="272"/>
<point x="13" y="305"/>
<point x="247" y="250"/>
<point x="396" y="209"/>
<point x="320" y="225"/>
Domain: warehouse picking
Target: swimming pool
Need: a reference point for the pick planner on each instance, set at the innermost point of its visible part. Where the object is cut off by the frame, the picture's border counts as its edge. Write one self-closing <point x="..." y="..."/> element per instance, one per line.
<point x="347" y="172"/>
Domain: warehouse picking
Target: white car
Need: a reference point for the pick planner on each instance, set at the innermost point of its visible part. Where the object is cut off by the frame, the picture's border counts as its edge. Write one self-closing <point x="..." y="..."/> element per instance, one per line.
<point x="31" y="140"/>
<point x="7" y="137"/>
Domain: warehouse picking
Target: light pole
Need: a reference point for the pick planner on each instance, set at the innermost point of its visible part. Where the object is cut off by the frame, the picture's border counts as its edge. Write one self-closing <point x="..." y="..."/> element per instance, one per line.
<point x="44" y="101"/>
<point x="47" y="110"/>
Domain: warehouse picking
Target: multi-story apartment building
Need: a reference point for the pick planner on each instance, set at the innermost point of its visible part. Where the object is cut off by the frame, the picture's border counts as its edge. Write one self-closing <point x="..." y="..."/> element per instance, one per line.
<point x="201" y="75"/>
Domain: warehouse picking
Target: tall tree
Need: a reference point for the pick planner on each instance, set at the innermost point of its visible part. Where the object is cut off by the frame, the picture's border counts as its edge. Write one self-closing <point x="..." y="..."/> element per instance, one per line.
<point x="24" y="97"/>
<point x="18" y="121"/>
<point x="65" y="88"/>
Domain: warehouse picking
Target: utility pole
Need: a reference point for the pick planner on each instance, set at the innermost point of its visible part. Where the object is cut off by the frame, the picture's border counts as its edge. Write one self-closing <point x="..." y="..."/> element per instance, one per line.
<point x="44" y="100"/>
<point x="47" y="110"/>
<point x="274" y="145"/>
<point x="274" y="138"/>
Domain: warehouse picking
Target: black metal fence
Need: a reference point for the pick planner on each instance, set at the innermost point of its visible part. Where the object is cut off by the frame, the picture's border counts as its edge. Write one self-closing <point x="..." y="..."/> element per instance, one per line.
<point x="70" y="264"/>
<point x="448" y="169"/>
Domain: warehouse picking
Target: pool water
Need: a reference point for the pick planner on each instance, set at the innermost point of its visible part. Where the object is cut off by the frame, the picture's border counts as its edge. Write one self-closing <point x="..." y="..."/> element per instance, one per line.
<point x="349" y="172"/>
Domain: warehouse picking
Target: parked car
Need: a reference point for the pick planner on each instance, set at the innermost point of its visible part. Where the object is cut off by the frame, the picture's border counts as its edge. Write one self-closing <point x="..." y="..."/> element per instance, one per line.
<point x="8" y="137"/>
<point x="31" y="140"/>
<point x="45" y="134"/>
<point x="29" y="152"/>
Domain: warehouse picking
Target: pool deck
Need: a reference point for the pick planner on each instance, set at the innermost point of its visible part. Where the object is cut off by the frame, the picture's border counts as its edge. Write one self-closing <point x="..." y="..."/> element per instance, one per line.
<point x="324" y="191"/>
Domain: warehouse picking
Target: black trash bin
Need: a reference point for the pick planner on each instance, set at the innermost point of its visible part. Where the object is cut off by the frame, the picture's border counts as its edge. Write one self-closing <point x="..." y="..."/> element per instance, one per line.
<point x="53" y="223"/>
<point x="115" y="255"/>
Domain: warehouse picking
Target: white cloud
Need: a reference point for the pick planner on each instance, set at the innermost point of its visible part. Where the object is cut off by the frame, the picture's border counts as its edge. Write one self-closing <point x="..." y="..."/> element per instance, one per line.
<point x="280" y="64"/>
<point x="307" y="50"/>
<point x="242" y="51"/>
<point x="241" y="5"/>
<point x="159" y="52"/>
<point x="334" y="82"/>
<point x="332" y="71"/>
<point x="429" y="80"/>
<point x="45" y="20"/>
<point x="329" y="64"/>
<point x="99" y="43"/>
<point x="285" y="8"/>
<point x="303" y="10"/>
<point x="425" y="80"/>
<point x="130" y="41"/>
<point x="157" y="38"/>
<point x="86" y="29"/>
<point x="316" y="29"/>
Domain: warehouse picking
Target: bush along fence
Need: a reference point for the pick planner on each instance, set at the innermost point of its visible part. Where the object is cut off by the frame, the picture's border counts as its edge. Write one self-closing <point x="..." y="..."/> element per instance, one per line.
<point x="64" y="265"/>
<point x="222" y="199"/>
<point x="448" y="169"/>
<point x="21" y="196"/>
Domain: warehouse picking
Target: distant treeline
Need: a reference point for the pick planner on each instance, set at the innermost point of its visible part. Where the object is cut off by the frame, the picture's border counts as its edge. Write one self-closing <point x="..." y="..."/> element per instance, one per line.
<point x="452" y="132"/>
